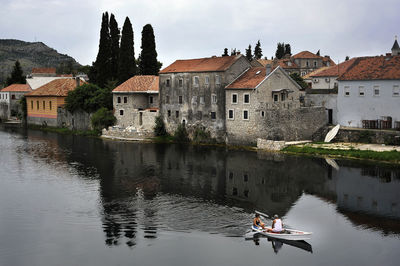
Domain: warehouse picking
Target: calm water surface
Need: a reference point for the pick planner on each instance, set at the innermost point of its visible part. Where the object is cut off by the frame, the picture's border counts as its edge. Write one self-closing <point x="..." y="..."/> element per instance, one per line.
<point x="67" y="200"/>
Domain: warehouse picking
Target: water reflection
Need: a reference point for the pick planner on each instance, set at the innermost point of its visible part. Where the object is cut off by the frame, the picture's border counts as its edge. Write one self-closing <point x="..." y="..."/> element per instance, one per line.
<point x="149" y="188"/>
<point x="277" y="244"/>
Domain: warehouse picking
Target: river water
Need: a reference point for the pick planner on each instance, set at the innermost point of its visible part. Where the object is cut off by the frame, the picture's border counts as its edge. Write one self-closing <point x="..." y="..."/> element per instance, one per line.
<point x="69" y="200"/>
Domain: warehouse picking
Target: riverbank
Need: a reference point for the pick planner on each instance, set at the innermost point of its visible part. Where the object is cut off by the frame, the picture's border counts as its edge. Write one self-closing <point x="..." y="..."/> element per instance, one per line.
<point x="66" y="131"/>
<point x="376" y="152"/>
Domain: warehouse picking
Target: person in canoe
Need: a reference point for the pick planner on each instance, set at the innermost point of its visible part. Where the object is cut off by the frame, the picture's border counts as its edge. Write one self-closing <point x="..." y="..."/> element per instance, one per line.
<point x="277" y="225"/>
<point x="257" y="223"/>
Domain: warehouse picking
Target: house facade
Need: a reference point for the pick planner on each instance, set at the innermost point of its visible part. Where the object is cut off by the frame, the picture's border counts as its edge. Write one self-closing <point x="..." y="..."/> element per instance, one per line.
<point x="136" y="102"/>
<point x="192" y="92"/>
<point x="266" y="104"/>
<point x="43" y="102"/>
<point x="369" y="93"/>
<point x="10" y="97"/>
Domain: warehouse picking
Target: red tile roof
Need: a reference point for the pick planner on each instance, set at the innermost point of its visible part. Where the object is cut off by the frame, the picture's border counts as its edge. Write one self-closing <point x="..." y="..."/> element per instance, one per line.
<point x="17" y="88"/>
<point x="208" y="64"/>
<point x="373" y="68"/>
<point x="139" y="84"/>
<point x="265" y="62"/>
<point x="306" y="55"/>
<point x="58" y="87"/>
<point x="250" y="79"/>
<point x="328" y="59"/>
<point x="49" y="70"/>
<point x="334" y="71"/>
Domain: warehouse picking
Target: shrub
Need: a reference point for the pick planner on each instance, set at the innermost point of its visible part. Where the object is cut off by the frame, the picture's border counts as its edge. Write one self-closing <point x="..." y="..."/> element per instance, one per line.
<point x="159" y="128"/>
<point x="89" y="98"/>
<point x="181" y="134"/>
<point x="202" y="136"/>
<point x="24" y="110"/>
<point x="365" y="136"/>
<point x="102" y="118"/>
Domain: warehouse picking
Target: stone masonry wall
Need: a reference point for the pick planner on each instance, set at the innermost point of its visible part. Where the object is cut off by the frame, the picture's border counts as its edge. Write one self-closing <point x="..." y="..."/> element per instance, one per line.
<point x="78" y="120"/>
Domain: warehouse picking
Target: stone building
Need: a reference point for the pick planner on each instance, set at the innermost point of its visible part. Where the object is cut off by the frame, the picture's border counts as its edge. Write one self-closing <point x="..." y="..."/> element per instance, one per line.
<point x="136" y="103"/>
<point x="10" y="97"/>
<point x="267" y="104"/>
<point x="192" y="92"/>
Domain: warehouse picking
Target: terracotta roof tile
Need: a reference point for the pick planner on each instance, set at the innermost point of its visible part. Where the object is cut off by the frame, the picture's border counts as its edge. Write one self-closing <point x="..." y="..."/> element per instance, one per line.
<point x="265" y="62"/>
<point x="58" y="87"/>
<point x="139" y="83"/>
<point x="250" y="79"/>
<point x="328" y="59"/>
<point x="42" y="70"/>
<point x="306" y="54"/>
<point x="373" y="68"/>
<point x="17" y="88"/>
<point x="333" y="71"/>
<point x="202" y="64"/>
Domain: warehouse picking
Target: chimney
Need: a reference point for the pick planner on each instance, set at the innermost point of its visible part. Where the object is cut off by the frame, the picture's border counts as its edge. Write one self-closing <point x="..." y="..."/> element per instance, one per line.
<point x="268" y="69"/>
<point x="78" y="81"/>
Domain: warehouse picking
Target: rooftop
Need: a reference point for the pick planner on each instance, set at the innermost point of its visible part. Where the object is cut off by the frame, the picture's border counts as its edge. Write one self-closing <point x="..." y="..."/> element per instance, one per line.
<point x="139" y="84"/>
<point x="333" y="71"/>
<point x="58" y="87"/>
<point x="209" y="64"/>
<point x="42" y="70"/>
<point x="17" y="88"/>
<point x="250" y="79"/>
<point x="306" y="55"/>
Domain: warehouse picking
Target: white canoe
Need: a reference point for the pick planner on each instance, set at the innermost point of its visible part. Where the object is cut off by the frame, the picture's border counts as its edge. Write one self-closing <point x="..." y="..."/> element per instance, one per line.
<point x="289" y="234"/>
<point x="332" y="133"/>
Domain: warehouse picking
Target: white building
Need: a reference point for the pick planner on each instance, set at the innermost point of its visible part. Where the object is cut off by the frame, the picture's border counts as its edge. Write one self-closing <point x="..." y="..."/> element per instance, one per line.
<point x="10" y="97"/>
<point x="369" y="92"/>
<point x="42" y="76"/>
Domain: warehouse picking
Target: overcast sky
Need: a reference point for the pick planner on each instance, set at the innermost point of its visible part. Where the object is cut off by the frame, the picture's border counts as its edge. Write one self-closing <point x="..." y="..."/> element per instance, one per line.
<point x="192" y="29"/>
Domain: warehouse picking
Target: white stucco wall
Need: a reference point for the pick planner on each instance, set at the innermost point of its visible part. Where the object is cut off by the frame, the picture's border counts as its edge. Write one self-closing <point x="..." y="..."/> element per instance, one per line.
<point x="36" y="82"/>
<point x="5" y="97"/>
<point x="323" y="82"/>
<point x="354" y="108"/>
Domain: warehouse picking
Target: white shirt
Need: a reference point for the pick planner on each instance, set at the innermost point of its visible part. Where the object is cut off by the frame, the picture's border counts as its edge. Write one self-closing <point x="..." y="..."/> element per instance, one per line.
<point x="277" y="225"/>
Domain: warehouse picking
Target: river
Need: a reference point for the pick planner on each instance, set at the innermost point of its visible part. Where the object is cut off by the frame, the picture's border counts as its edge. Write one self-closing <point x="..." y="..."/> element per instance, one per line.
<point x="70" y="200"/>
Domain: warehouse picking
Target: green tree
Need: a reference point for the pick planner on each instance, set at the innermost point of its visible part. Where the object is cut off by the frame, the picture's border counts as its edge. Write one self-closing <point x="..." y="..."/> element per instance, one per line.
<point x="299" y="80"/>
<point x="280" y="50"/>
<point x="318" y="53"/>
<point x="225" y="52"/>
<point x="159" y="128"/>
<point x="89" y="98"/>
<point x="102" y="66"/>
<point x="180" y="134"/>
<point x="257" y="50"/>
<point x="102" y="118"/>
<point x="114" y="46"/>
<point x="127" y="65"/>
<point x="148" y="63"/>
<point x="17" y="76"/>
<point x="23" y="107"/>
<point x="249" y="55"/>
<point x="288" y="49"/>
<point x="347" y="58"/>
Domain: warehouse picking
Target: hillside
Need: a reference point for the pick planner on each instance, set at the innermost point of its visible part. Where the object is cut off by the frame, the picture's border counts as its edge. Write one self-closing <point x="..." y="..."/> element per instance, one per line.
<point x="30" y="55"/>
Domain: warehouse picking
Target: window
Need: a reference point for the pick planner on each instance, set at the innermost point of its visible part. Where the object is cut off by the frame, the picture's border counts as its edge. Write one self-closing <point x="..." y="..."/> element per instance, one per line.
<point x="213" y="98"/>
<point x="37" y="105"/>
<point x="180" y="99"/>
<point x="119" y="99"/>
<point x="194" y="100"/>
<point x="32" y="105"/>
<point x="231" y="114"/>
<point x="246" y="98"/>
<point x="276" y="98"/>
<point x="180" y="83"/>
<point x="199" y="115"/>
<point x="121" y="112"/>
<point x="283" y="97"/>
<point x="169" y="113"/>
<point x="150" y="99"/>
<point x="396" y="91"/>
<point x="12" y="96"/>
<point x="207" y="80"/>
<point x="346" y="91"/>
<point x="245" y="115"/>
<point x="176" y="114"/>
<point x="376" y="90"/>
<point x="213" y="115"/>
<point x="168" y="82"/>
<point x="234" y="98"/>
<point x="125" y="99"/>
<point x="245" y="177"/>
<point x="217" y="80"/>
<point x="361" y="91"/>
<point x="262" y="113"/>
<point x="303" y="73"/>
<point x="50" y="105"/>
<point x="201" y="99"/>
<point x="315" y="63"/>
<point x="307" y="63"/>
<point x="196" y="81"/>
<point x="167" y="99"/>
<point x="230" y="175"/>
<point x="44" y="105"/>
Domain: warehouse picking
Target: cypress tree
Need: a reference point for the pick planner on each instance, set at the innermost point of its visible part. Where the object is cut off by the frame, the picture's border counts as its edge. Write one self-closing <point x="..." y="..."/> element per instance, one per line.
<point x="114" y="42"/>
<point x="257" y="50"/>
<point x="288" y="50"/>
<point x="249" y="56"/>
<point x="280" y="50"/>
<point x="102" y="66"/>
<point x="225" y="52"/>
<point x="148" y="63"/>
<point x="127" y="65"/>
<point x="318" y="53"/>
<point x="17" y="75"/>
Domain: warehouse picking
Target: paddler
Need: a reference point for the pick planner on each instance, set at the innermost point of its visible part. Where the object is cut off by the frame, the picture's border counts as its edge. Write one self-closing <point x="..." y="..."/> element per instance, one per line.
<point x="257" y="222"/>
<point x="277" y="225"/>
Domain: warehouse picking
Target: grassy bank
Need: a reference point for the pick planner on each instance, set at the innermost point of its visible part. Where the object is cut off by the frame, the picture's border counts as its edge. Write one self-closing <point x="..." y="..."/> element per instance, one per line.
<point x="388" y="156"/>
<point x="66" y="131"/>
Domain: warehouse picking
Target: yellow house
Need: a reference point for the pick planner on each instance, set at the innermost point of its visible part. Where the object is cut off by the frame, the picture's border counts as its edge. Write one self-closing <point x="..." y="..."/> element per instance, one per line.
<point x="43" y="102"/>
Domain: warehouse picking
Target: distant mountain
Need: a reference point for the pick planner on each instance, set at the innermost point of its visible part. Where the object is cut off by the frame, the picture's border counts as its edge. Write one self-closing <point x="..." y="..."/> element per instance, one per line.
<point x="30" y="55"/>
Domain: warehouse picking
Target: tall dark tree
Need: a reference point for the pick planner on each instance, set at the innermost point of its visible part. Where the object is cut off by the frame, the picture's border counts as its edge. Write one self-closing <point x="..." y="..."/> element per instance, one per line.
<point x="148" y="63"/>
<point x="127" y="64"/>
<point x="347" y="58"/>
<point x="102" y="66"/>
<point x="249" y="54"/>
<point x="114" y="43"/>
<point x="17" y="76"/>
<point x="280" y="50"/>
<point x="318" y="53"/>
<point x="225" y="52"/>
<point x="288" y="49"/>
<point x="257" y="50"/>
<point x="233" y="51"/>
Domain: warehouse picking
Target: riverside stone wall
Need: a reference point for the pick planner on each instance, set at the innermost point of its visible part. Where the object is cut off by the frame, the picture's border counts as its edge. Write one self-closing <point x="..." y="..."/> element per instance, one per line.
<point x="78" y="120"/>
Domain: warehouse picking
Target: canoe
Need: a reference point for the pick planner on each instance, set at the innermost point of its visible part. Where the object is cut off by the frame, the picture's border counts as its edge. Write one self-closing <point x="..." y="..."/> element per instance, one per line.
<point x="332" y="133"/>
<point x="288" y="234"/>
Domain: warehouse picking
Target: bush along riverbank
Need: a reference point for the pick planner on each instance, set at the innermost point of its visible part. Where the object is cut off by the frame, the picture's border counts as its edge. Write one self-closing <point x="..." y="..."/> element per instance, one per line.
<point x="392" y="156"/>
<point x="66" y="131"/>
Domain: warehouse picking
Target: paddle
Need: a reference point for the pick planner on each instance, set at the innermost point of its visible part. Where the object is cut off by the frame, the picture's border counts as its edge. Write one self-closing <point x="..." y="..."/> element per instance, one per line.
<point x="262" y="214"/>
